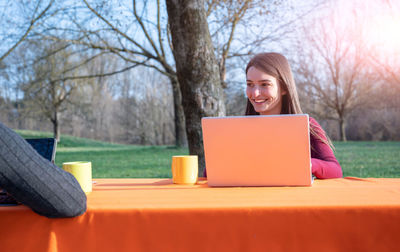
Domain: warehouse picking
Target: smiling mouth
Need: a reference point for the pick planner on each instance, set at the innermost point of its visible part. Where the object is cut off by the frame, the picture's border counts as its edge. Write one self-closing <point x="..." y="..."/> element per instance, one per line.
<point x="258" y="101"/>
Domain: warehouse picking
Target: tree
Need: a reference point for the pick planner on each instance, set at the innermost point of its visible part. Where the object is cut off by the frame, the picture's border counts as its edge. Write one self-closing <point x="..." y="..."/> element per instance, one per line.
<point x="150" y="48"/>
<point x="232" y="13"/>
<point x="18" y="31"/>
<point x="332" y="69"/>
<point x="47" y="91"/>
<point x="90" y="111"/>
<point x="146" y="108"/>
<point x="197" y="69"/>
<point x="140" y="34"/>
<point x="239" y="28"/>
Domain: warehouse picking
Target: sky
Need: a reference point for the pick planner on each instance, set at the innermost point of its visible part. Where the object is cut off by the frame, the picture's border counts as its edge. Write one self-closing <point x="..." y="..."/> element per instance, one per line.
<point x="379" y="20"/>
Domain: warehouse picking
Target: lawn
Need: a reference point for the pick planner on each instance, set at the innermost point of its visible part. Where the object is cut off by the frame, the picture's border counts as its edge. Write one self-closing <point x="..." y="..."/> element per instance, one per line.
<point x="358" y="159"/>
<point x="369" y="159"/>
<point x="114" y="160"/>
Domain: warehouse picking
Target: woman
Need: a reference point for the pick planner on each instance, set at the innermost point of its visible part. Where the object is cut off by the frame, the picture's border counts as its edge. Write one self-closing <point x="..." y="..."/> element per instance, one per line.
<point x="271" y="90"/>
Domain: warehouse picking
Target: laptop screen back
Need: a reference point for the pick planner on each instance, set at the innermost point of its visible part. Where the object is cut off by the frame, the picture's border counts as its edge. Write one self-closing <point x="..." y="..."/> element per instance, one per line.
<point x="46" y="147"/>
<point x="257" y="150"/>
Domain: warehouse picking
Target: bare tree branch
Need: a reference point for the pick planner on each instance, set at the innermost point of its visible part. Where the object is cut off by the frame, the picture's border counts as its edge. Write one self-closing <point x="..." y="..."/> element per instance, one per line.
<point x="28" y="30"/>
<point x="97" y="75"/>
<point x="159" y="30"/>
<point x="115" y="29"/>
<point x="149" y="39"/>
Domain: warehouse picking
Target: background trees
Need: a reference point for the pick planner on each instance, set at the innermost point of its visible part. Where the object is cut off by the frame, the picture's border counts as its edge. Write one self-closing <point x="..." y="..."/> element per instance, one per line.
<point x="337" y="74"/>
<point x="332" y="70"/>
<point x="126" y="89"/>
<point x="136" y="32"/>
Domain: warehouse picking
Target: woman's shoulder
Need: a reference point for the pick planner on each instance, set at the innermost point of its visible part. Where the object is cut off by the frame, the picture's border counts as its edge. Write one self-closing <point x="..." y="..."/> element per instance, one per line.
<point x="314" y="123"/>
<point x="316" y="126"/>
<point x="312" y="120"/>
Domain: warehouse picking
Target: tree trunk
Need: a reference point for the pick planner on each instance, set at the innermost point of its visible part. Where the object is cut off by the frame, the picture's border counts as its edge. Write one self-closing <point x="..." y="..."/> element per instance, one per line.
<point x="56" y="127"/>
<point x="179" y="116"/>
<point x="197" y="69"/>
<point x="222" y="72"/>
<point x="342" y="129"/>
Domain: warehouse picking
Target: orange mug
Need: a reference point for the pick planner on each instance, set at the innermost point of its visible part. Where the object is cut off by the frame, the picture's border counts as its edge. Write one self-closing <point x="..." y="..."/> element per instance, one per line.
<point x="185" y="169"/>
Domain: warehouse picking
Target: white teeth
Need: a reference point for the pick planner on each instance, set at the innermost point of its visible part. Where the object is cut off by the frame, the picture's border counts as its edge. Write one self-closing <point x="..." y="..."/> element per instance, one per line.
<point x="260" y="100"/>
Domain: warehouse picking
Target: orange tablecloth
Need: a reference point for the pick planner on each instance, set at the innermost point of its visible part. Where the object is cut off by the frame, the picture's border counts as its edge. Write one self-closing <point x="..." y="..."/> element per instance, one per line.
<point x="347" y="214"/>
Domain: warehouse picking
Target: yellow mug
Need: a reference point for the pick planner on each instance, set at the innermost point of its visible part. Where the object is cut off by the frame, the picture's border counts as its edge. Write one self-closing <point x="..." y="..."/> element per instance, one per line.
<point x="184" y="169"/>
<point x="82" y="171"/>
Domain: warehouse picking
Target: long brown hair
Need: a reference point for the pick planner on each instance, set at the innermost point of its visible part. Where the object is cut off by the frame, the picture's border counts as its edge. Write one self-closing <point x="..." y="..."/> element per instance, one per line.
<point x="277" y="65"/>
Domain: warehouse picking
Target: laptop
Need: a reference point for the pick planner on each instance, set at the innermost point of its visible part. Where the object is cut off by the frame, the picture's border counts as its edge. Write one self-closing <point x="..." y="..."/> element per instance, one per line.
<point x="46" y="147"/>
<point x="257" y="150"/>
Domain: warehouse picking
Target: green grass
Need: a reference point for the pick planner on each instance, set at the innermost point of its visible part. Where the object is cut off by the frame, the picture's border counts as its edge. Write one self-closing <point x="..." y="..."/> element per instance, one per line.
<point x="369" y="159"/>
<point x="114" y="160"/>
<point x="124" y="161"/>
<point x="358" y="159"/>
<point x="66" y="141"/>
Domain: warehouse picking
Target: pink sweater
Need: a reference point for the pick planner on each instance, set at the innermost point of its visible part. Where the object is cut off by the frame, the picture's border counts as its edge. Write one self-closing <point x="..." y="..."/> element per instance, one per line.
<point x="324" y="163"/>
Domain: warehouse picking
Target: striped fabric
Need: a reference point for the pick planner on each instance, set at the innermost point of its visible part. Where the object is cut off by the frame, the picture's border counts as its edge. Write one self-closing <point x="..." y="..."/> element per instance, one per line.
<point x="35" y="181"/>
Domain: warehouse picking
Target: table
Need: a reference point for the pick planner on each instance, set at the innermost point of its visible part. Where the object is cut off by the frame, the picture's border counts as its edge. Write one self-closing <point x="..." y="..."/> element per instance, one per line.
<point x="348" y="214"/>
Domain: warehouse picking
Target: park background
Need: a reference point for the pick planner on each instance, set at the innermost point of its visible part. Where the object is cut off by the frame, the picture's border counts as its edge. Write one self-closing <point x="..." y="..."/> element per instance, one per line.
<point x="106" y="71"/>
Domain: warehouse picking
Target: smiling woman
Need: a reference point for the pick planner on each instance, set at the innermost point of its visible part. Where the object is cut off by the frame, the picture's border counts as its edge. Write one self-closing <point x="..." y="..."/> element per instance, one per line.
<point x="271" y="90"/>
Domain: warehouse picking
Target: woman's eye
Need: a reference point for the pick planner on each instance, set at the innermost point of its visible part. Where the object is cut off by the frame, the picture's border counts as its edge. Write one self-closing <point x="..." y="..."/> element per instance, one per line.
<point x="250" y="84"/>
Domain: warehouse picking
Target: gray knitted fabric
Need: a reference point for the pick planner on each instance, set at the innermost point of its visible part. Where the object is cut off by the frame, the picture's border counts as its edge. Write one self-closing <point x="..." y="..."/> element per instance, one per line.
<point x="35" y="181"/>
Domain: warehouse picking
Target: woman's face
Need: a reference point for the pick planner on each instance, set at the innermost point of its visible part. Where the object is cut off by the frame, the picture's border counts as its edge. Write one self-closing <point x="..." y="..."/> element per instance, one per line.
<point x="264" y="92"/>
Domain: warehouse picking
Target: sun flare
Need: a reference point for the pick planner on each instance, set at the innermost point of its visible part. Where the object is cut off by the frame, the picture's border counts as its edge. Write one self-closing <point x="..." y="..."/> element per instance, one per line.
<point x="376" y="22"/>
<point x="384" y="32"/>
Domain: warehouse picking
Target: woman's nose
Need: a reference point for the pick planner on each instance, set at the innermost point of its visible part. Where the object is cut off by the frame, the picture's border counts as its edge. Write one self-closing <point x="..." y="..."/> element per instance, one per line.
<point x="256" y="91"/>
